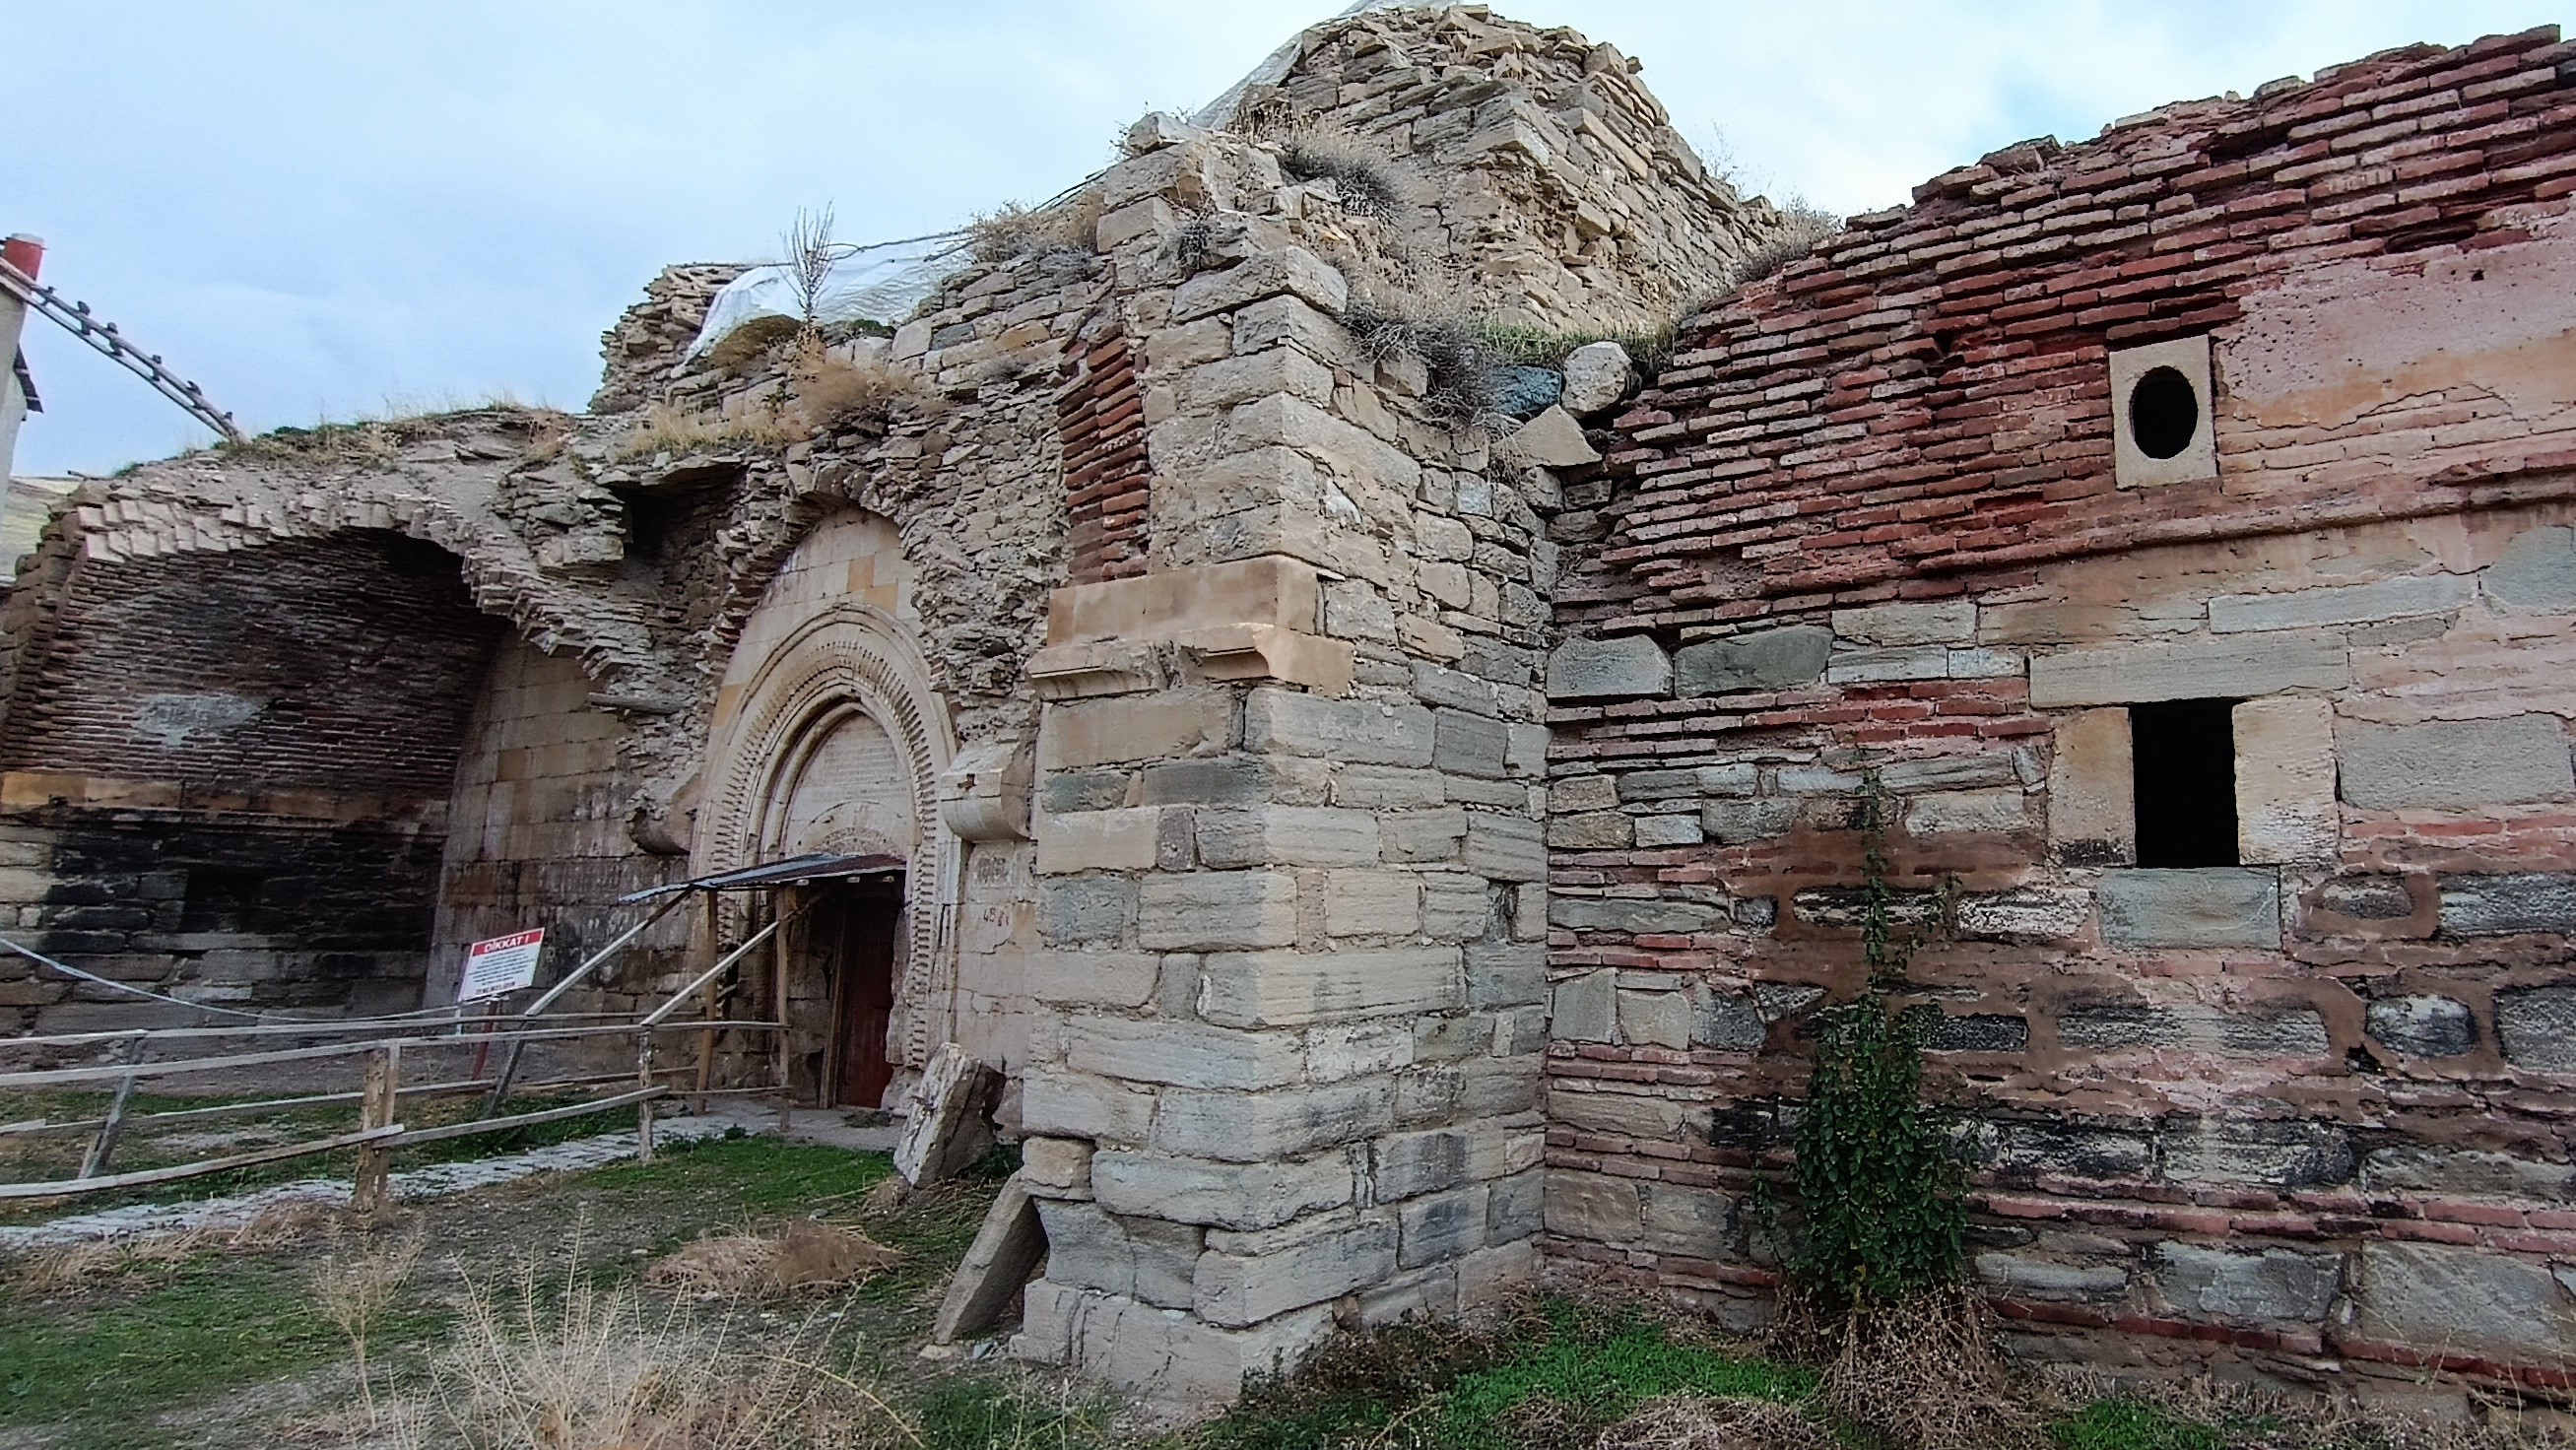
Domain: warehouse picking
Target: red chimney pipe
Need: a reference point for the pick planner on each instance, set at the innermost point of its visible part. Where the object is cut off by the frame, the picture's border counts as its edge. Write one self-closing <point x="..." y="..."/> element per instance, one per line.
<point x="24" y="252"/>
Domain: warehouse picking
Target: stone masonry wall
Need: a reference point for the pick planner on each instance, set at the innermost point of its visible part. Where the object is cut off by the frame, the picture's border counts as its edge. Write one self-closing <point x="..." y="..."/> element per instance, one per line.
<point x="227" y="775"/>
<point x="2303" y="1111"/>
<point x="1287" y="802"/>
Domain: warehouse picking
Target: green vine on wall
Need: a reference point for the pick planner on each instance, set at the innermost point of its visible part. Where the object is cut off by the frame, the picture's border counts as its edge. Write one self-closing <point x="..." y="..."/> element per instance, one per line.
<point x="1883" y="1193"/>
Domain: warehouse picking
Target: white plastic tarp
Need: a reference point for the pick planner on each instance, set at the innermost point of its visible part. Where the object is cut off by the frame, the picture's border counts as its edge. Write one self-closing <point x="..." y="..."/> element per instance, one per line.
<point x="880" y="283"/>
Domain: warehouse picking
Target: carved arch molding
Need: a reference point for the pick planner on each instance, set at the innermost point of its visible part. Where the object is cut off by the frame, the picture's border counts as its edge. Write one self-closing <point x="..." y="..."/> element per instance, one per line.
<point x="825" y="691"/>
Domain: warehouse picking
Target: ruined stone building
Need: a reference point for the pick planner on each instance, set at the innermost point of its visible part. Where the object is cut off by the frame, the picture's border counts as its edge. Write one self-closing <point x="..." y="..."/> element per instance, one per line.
<point x="1386" y="812"/>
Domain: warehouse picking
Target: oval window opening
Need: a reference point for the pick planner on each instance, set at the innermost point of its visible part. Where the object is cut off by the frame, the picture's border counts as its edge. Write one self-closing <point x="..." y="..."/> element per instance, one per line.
<point x="2164" y="413"/>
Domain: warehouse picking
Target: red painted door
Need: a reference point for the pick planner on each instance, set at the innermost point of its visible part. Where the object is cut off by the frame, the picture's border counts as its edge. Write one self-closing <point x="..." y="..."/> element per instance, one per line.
<point x="866" y="993"/>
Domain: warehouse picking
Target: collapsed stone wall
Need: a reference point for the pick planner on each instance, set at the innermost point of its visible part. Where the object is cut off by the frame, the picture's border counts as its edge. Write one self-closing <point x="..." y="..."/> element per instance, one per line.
<point x="1888" y="513"/>
<point x="227" y="772"/>
<point x="1543" y="183"/>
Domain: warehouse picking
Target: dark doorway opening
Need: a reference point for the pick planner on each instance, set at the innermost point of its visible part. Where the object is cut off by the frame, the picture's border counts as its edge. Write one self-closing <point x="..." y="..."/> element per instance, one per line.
<point x="853" y="937"/>
<point x="2183" y="755"/>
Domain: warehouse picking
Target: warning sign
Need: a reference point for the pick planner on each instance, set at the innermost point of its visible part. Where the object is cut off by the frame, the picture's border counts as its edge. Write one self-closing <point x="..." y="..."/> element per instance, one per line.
<point x="500" y="966"/>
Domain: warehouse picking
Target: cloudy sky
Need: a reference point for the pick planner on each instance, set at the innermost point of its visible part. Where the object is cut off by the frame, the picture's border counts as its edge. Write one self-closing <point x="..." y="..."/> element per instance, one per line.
<point x="324" y="209"/>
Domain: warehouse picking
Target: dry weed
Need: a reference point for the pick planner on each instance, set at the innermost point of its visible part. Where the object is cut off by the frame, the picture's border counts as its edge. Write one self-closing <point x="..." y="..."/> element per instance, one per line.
<point x="1463" y="370"/>
<point x="1698" y="1422"/>
<point x="1925" y="1373"/>
<point x="833" y="390"/>
<point x="1366" y="177"/>
<point x="669" y="429"/>
<point x="1067" y="227"/>
<point x="804" y="1255"/>
<point x="71" y="1268"/>
<point x="354" y="1291"/>
<point x="560" y="1362"/>
<point x="1801" y="228"/>
<point x="2245" y="1417"/>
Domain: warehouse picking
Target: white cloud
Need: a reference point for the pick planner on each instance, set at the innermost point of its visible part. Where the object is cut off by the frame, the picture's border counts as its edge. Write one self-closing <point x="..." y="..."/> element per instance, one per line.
<point x="311" y="207"/>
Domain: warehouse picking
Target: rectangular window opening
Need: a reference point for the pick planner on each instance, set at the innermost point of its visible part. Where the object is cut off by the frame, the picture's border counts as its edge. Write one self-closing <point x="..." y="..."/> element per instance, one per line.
<point x="2183" y="757"/>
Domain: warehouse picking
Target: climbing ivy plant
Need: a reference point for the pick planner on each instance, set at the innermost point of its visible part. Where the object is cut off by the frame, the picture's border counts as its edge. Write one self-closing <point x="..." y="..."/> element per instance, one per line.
<point x="1883" y="1193"/>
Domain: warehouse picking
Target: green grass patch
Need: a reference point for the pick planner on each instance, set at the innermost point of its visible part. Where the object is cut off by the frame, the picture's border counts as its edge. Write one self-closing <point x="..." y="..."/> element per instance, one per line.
<point x="1424" y="1387"/>
<point x="2132" y="1425"/>
<point x="104" y="1369"/>
<point x="1603" y="1377"/>
<point x="753" y="1177"/>
<point x="982" y="1413"/>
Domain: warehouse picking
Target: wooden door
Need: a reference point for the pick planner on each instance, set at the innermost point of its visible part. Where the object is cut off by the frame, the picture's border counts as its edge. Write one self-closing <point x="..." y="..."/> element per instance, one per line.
<point x="864" y="957"/>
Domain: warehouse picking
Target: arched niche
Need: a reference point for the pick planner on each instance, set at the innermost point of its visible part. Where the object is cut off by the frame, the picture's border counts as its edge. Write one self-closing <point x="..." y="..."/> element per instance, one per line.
<point x="829" y="737"/>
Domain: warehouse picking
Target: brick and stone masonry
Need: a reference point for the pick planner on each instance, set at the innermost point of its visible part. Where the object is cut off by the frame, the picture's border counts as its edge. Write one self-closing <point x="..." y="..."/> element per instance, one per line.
<point x="1388" y="853"/>
<point x="2297" y="1101"/>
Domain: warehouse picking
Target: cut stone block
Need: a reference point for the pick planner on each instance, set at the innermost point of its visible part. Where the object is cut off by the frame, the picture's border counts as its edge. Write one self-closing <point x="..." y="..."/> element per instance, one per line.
<point x="2536" y="575"/>
<point x="2457" y="764"/>
<point x="1594" y="1206"/>
<point x="1241" y="1290"/>
<point x="1771" y="659"/>
<point x="2508" y="902"/>
<point x="2423" y="1026"/>
<point x="2243" y="666"/>
<point x="996" y="1268"/>
<point x="2537" y="1028"/>
<point x="1055" y="1167"/>
<point x="1217" y="910"/>
<point x="2210" y="906"/>
<point x="2466" y="1300"/>
<point x="1952" y="621"/>
<point x="1598" y="669"/>
<point x="1635" y="914"/>
<point x="2092" y="790"/>
<point x="2285" y="782"/>
<point x="2341" y="603"/>
<point x="1286" y="988"/>
<point x="2279" y="1285"/>
<point x="2027" y="1276"/>
<point x="949" y="1126"/>
<point x="1241" y="1196"/>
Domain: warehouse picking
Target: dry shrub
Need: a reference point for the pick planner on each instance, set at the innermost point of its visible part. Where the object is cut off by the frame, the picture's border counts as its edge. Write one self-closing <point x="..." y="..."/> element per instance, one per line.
<point x="833" y="390"/>
<point x="666" y="428"/>
<point x="804" y="1255"/>
<point x="1801" y="228"/>
<point x="1697" y="1422"/>
<point x="2245" y="1417"/>
<point x="70" y="1268"/>
<point x="1366" y="176"/>
<point x="1464" y="370"/>
<point x="1924" y="1372"/>
<point x="1068" y="227"/>
<point x="354" y="1291"/>
<point x="562" y="1363"/>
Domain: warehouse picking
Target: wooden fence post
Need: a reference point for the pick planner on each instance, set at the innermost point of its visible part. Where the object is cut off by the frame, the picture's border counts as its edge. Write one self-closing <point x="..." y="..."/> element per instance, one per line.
<point x="789" y="905"/>
<point x="94" y="1161"/>
<point x="376" y="1110"/>
<point x="644" y="1109"/>
<point x="707" y="1007"/>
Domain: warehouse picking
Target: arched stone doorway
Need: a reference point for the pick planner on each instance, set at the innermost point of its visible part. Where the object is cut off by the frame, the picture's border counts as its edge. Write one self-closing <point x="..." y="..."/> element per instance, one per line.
<point x="829" y="738"/>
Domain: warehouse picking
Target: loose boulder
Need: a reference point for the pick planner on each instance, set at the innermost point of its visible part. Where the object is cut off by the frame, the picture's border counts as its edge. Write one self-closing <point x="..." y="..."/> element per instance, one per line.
<point x="1597" y="376"/>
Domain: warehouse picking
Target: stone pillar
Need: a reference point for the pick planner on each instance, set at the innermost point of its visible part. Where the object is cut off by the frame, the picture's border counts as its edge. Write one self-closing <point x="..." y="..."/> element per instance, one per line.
<point x="1288" y="811"/>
